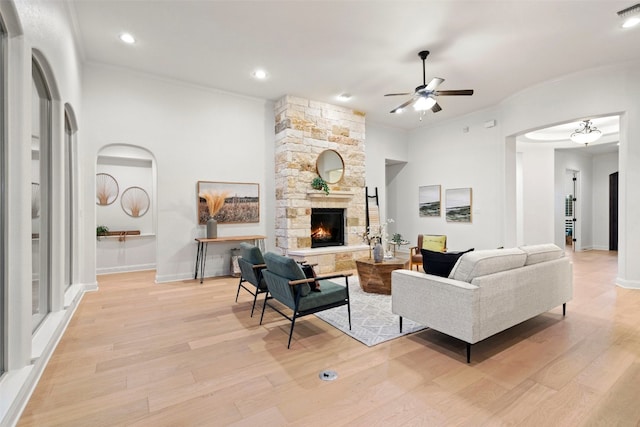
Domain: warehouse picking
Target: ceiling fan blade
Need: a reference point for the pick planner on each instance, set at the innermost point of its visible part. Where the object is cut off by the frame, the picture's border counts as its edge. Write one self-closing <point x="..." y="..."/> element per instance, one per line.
<point x="406" y="104"/>
<point x="396" y="94"/>
<point x="436" y="107"/>
<point x="434" y="83"/>
<point x="454" y="92"/>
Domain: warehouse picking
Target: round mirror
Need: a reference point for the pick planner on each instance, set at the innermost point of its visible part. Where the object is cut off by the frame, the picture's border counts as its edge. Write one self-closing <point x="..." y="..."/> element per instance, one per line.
<point x="330" y="166"/>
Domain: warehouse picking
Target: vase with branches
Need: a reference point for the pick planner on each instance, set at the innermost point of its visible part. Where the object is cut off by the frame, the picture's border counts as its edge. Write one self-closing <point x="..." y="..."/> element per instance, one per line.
<point x="214" y="201"/>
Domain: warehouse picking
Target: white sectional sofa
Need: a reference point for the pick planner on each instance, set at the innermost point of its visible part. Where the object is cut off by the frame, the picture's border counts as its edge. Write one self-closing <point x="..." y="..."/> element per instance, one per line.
<point x="487" y="291"/>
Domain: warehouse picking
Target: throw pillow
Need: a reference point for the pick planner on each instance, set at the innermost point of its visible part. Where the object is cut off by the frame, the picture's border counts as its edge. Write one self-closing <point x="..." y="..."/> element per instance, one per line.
<point x="440" y="263"/>
<point x="311" y="274"/>
<point x="434" y="243"/>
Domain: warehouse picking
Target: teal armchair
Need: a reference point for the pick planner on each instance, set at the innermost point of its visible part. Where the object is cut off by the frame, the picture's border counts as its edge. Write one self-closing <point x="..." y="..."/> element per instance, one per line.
<point x="251" y="265"/>
<point x="288" y="285"/>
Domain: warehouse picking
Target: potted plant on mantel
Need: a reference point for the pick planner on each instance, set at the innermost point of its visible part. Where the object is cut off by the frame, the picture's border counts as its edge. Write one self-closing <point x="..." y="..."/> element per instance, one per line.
<point x="320" y="184"/>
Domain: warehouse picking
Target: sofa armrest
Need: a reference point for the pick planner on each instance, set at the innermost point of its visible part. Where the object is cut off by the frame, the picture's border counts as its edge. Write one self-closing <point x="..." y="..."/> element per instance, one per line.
<point x="446" y="305"/>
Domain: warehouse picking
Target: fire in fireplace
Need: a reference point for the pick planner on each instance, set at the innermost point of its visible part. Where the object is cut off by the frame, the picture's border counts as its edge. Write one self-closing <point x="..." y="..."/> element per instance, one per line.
<point x="327" y="227"/>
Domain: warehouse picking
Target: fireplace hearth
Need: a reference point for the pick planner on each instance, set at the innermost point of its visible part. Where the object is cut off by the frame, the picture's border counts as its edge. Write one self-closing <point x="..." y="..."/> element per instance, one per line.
<point x="327" y="227"/>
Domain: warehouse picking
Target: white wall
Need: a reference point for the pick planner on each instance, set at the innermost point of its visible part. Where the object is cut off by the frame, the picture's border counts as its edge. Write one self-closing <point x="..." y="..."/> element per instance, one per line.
<point x="603" y="166"/>
<point x="194" y="134"/>
<point x="444" y="154"/>
<point x="538" y="190"/>
<point x="385" y="143"/>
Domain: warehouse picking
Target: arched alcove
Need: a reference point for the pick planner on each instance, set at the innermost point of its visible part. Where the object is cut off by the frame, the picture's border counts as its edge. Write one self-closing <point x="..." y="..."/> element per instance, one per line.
<point x="126" y="205"/>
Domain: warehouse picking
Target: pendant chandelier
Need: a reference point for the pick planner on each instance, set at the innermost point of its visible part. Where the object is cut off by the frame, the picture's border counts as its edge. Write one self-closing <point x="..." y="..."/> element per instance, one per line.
<point x="586" y="134"/>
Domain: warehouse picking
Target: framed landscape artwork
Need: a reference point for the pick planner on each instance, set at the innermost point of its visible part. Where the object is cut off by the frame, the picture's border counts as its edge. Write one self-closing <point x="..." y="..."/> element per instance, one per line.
<point x="458" y="205"/>
<point x="429" y="200"/>
<point x="235" y="202"/>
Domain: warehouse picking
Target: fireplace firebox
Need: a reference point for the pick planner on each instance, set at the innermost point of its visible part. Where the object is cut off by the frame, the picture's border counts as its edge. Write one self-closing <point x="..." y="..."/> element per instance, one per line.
<point x="327" y="227"/>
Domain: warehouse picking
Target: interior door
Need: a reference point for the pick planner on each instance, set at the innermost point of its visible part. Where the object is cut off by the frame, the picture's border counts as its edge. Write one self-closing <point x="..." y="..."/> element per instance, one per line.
<point x="613" y="211"/>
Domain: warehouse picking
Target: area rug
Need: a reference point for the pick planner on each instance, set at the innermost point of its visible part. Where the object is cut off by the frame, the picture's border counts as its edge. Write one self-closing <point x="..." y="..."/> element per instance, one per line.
<point x="372" y="321"/>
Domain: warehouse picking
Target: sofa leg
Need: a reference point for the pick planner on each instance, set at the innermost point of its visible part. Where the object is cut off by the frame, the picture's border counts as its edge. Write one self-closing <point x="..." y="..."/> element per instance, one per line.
<point x="468" y="353"/>
<point x="564" y="309"/>
<point x="400" y="324"/>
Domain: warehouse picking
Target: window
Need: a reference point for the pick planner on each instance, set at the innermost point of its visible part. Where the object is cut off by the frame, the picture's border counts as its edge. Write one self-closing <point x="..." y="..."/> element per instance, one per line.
<point x="40" y="194"/>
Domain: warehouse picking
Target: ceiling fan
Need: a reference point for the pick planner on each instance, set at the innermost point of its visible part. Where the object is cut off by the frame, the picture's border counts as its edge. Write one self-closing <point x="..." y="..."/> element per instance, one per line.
<point x="424" y="97"/>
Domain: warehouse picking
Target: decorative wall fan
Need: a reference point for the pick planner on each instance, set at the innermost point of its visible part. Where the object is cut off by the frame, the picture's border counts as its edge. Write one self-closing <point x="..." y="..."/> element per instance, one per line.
<point x="135" y="201"/>
<point x="424" y="96"/>
<point x="106" y="189"/>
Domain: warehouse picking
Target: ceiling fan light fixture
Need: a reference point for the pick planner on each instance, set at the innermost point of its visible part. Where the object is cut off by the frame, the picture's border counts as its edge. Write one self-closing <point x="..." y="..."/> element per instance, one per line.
<point x="586" y="134"/>
<point x="631" y="16"/>
<point x="424" y="103"/>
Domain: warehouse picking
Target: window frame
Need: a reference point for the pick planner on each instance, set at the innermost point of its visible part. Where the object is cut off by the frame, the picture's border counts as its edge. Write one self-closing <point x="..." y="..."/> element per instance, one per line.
<point x="45" y="117"/>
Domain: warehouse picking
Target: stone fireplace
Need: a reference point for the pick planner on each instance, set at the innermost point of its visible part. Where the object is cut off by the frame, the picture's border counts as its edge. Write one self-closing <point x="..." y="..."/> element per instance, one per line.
<point x="304" y="129"/>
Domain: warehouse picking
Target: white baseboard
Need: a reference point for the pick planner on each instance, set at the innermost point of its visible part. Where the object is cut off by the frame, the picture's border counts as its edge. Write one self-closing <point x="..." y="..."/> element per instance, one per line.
<point x="91" y="287"/>
<point x="628" y="284"/>
<point x="125" y="268"/>
<point x="166" y="278"/>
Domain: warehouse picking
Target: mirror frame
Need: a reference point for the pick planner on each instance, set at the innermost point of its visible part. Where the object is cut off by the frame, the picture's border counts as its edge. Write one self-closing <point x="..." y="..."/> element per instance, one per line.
<point x="322" y="175"/>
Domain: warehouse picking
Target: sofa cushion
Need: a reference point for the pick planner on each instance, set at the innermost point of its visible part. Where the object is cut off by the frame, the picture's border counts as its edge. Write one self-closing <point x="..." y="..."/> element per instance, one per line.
<point x="440" y="263"/>
<point x="541" y="253"/>
<point x="286" y="267"/>
<point x="434" y="243"/>
<point x="481" y="263"/>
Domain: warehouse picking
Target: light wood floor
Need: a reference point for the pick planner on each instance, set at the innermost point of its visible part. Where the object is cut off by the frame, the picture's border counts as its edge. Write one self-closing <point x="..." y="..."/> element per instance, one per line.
<point x="184" y="354"/>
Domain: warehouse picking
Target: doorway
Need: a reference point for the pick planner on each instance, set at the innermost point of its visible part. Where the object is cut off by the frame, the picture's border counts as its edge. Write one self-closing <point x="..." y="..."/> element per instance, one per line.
<point x="570" y="211"/>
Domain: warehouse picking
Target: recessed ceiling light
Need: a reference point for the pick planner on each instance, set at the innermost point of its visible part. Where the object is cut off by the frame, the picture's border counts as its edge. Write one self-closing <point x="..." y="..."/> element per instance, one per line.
<point x="259" y="74"/>
<point x="127" y="38"/>
<point x="343" y="97"/>
<point x="631" y="22"/>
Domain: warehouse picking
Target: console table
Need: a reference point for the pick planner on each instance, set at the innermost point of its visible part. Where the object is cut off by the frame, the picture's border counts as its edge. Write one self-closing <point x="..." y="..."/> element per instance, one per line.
<point x="375" y="277"/>
<point x="203" y="243"/>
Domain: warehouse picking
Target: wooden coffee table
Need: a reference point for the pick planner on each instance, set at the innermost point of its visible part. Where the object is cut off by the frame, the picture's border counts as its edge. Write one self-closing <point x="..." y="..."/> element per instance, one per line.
<point x="375" y="277"/>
